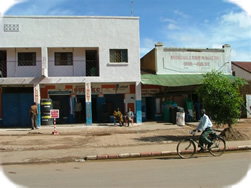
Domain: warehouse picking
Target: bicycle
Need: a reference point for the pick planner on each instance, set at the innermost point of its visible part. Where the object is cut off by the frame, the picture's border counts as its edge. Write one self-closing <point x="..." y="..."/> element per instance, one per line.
<point x="186" y="148"/>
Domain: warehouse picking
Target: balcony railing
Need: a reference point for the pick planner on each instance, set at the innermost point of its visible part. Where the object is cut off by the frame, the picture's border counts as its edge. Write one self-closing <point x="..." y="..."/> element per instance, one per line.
<point x="21" y="69"/>
<point x="92" y="68"/>
<point x="11" y="69"/>
<point x="31" y="69"/>
<point x="65" y="62"/>
<point x="3" y="69"/>
<point x="78" y="68"/>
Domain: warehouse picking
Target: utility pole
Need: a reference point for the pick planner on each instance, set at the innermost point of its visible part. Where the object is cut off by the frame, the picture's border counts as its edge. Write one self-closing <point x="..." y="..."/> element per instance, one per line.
<point x="131" y="7"/>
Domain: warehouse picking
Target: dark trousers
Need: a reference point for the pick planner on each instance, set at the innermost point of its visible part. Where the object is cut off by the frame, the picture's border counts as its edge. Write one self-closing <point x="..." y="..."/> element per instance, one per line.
<point x="204" y="136"/>
<point x="33" y="121"/>
<point x="129" y="119"/>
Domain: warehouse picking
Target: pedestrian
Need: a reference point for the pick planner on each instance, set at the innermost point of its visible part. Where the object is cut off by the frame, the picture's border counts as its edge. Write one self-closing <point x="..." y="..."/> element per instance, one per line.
<point x="33" y="115"/>
<point x="205" y="125"/>
<point x="118" y="116"/>
<point x="129" y="116"/>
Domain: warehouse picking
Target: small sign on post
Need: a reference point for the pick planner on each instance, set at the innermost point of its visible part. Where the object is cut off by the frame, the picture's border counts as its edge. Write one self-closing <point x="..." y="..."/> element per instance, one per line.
<point x="54" y="114"/>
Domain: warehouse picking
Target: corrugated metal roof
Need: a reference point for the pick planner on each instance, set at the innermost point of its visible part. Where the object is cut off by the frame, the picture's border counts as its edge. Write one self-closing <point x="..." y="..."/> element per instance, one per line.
<point x="174" y="80"/>
<point x="243" y="65"/>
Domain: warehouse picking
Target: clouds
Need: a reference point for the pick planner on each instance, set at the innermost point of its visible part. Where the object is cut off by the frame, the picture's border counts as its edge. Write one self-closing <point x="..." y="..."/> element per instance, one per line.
<point x="209" y="28"/>
<point x="5" y="5"/>
<point x="148" y="44"/>
<point x="244" y="4"/>
<point x="233" y="28"/>
<point x="45" y="7"/>
<point x="240" y="18"/>
<point x="171" y="24"/>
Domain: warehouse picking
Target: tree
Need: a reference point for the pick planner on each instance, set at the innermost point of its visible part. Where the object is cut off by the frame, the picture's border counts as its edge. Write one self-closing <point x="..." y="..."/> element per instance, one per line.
<point x="221" y="98"/>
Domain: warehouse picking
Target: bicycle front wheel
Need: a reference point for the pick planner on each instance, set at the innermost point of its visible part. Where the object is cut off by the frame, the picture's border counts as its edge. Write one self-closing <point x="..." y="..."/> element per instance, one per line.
<point x="186" y="149"/>
<point x="218" y="147"/>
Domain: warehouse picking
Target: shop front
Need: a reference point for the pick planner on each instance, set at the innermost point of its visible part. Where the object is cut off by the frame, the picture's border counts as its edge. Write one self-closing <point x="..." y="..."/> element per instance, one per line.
<point x="162" y="94"/>
<point x="161" y="103"/>
<point x="78" y="104"/>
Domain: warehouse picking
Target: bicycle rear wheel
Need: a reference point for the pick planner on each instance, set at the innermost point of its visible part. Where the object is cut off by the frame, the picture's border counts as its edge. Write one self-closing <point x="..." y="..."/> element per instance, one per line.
<point x="218" y="147"/>
<point x="186" y="149"/>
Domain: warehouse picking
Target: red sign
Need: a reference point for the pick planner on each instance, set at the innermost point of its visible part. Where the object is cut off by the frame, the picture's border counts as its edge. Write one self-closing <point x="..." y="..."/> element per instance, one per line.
<point x="54" y="113"/>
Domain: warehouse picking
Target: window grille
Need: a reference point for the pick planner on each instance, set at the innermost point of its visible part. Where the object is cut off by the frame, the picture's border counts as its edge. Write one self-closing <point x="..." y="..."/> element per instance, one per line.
<point x="63" y="58"/>
<point x="3" y="64"/>
<point x="92" y="63"/>
<point x="118" y="55"/>
<point x="27" y="59"/>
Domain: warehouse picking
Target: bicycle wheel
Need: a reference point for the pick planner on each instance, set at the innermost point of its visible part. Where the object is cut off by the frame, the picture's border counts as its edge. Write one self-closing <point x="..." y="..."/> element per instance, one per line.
<point x="218" y="147"/>
<point x="186" y="149"/>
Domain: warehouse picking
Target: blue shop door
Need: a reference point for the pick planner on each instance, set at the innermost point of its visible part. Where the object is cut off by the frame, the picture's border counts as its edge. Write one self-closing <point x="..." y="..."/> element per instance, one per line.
<point x="16" y="108"/>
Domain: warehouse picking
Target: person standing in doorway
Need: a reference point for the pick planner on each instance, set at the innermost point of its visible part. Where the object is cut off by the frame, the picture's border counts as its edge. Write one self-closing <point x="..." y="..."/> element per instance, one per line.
<point x="33" y="115"/>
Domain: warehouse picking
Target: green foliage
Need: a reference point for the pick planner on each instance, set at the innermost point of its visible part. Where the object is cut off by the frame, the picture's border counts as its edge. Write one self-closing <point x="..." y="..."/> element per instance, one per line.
<point x="221" y="98"/>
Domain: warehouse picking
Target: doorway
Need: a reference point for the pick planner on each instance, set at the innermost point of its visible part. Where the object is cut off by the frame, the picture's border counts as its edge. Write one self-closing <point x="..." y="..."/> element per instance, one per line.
<point x="62" y="103"/>
<point x="16" y="104"/>
<point x="94" y="108"/>
<point x="3" y="63"/>
<point x="150" y="108"/>
<point x="81" y="115"/>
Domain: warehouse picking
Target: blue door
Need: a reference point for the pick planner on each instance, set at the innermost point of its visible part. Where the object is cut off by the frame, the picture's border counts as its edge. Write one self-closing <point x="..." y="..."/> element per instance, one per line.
<point x="16" y="108"/>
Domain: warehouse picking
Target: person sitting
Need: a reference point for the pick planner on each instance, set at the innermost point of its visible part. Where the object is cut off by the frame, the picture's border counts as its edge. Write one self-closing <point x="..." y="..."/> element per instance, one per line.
<point x="129" y="116"/>
<point x="118" y="116"/>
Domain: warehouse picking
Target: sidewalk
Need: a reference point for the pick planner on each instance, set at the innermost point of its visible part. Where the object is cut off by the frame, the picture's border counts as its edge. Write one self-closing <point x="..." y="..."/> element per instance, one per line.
<point x="100" y="141"/>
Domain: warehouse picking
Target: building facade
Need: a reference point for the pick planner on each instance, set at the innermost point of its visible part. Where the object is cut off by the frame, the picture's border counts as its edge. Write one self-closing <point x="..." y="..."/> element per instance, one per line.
<point x="89" y="63"/>
<point x="242" y="69"/>
<point x="170" y="77"/>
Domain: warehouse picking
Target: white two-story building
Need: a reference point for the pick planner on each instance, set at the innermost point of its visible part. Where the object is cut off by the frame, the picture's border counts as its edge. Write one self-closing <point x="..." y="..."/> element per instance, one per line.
<point x="93" y="61"/>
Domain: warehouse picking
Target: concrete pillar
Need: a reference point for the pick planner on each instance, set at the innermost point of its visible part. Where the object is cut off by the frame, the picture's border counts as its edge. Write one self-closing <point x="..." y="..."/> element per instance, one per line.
<point x="227" y="68"/>
<point x="36" y="93"/>
<point x="88" y="102"/>
<point x="44" y="62"/>
<point x="138" y="103"/>
<point x="159" y="58"/>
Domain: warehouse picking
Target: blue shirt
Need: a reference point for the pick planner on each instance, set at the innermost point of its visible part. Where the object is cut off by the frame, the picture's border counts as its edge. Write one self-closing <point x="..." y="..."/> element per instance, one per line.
<point x="205" y="122"/>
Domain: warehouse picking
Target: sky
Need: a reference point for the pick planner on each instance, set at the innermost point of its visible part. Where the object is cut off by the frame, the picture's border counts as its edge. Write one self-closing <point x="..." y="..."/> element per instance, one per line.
<point x="175" y="23"/>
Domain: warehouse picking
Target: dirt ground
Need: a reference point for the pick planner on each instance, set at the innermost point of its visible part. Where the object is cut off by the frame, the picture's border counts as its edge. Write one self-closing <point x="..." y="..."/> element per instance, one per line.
<point x="109" y="138"/>
<point x="240" y="131"/>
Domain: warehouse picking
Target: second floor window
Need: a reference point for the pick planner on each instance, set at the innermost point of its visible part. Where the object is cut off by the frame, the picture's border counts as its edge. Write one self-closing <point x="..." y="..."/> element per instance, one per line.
<point x="63" y="58"/>
<point x="118" y="56"/>
<point x="27" y="59"/>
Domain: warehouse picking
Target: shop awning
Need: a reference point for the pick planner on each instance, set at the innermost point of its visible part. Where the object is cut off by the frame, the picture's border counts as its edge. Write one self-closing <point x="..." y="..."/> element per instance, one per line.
<point x="175" y="80"/>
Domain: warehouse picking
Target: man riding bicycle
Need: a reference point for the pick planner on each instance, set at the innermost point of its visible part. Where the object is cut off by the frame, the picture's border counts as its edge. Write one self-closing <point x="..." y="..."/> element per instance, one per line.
<point x="206" y="126"/>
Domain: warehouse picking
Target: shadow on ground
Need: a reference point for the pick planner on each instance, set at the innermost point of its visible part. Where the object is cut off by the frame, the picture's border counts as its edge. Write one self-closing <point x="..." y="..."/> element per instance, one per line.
<point x="164" y="138"/>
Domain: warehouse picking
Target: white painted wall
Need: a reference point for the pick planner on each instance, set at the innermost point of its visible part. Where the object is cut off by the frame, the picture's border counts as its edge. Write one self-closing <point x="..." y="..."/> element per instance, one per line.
<point x="241" y="73"/>
<point x="192" y="61"/>
<point x="23" y="71"/>
<point x="248" y="105"/>
<point x="78" y="67"/>
<point x="103" y="33"/>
